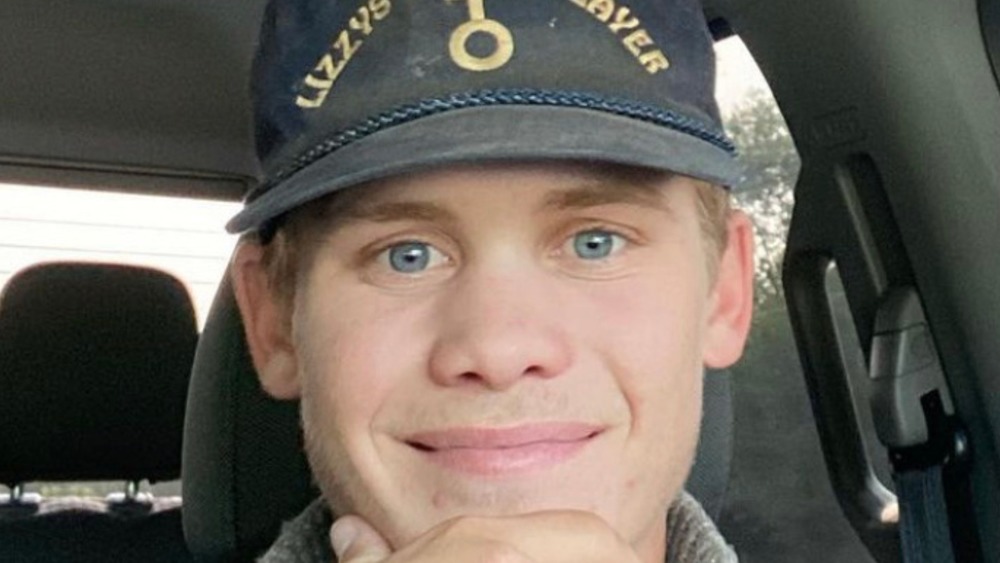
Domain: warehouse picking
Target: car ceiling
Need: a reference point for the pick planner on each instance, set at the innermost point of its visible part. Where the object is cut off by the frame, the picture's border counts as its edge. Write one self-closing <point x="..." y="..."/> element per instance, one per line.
<point x="137" y="86"/>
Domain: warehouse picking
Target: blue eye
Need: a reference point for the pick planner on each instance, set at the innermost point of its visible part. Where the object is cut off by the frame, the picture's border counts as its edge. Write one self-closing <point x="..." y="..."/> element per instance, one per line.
<point x="409" y="257"/>
<point x="412" y="257"/>
<point x="596" y="244"/>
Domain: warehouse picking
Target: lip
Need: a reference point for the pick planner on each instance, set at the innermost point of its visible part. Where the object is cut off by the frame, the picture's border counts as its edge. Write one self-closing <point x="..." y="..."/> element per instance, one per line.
<point x="492" y="451"/>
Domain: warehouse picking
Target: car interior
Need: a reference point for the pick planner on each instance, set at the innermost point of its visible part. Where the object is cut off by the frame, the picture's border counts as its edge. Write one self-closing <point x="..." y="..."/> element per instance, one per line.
<point x="126" y="336"/>
<point x="890" y="285"/>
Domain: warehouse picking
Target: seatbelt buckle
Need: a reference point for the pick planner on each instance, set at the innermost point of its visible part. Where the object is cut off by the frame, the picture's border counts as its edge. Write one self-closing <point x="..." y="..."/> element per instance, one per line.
<point x="911" y="403"/>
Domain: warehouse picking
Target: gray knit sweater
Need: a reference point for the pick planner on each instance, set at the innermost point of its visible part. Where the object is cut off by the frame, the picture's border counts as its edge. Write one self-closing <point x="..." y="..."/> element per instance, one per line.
<point x="693" y="536"/>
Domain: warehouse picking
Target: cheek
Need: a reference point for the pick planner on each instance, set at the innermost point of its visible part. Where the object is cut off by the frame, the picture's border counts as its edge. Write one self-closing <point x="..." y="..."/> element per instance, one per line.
<point x="356" y="356"/>
<point x="650" y="339"/>
<point x="356" y="352"/>
<point x="651" y="325"/>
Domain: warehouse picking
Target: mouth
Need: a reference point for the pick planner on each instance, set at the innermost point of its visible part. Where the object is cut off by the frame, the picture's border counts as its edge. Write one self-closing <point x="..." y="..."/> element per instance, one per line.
<point x="490" y="451"/>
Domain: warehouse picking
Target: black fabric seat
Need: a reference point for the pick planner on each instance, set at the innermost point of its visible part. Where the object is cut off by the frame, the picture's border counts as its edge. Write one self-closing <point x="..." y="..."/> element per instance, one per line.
<point x="244" y="469"/>
<point x="93" y="531"/>
<point x="94" y="366"/>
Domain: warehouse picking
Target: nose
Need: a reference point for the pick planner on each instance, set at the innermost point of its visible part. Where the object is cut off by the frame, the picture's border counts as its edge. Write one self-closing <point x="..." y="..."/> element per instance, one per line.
<point x="495" y="330"/>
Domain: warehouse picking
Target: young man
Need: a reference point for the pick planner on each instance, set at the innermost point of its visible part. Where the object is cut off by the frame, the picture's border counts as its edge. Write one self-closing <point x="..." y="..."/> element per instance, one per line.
<point x="492" y="256"/>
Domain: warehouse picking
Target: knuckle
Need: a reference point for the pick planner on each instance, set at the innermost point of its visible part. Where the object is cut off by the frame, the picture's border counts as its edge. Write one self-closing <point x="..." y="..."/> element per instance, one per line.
<point x="602" y="537"/>
<point x="472" y="526"/>
<point x="480" y="536"/>
<point x="462" y="526"/>
<point x="499" y="552"/>
<point x="590" y="523"/>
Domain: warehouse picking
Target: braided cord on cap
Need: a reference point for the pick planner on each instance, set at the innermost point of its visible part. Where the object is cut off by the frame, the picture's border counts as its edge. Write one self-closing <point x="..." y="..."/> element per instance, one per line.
<point x="501" y="97"/>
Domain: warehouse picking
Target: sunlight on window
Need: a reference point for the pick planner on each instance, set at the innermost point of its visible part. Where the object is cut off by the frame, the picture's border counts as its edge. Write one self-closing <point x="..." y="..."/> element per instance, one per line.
<point x="770" y="162"/>
<point x="184" y="237"/>
<point x="737" y="75"/>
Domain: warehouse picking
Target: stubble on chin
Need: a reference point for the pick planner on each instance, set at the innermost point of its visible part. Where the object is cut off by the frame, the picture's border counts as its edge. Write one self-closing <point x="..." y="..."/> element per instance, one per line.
<point x="327" y="461"/>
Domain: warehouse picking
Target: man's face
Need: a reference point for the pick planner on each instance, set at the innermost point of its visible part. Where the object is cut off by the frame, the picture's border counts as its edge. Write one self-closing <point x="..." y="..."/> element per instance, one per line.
<point x="508" y="339"/>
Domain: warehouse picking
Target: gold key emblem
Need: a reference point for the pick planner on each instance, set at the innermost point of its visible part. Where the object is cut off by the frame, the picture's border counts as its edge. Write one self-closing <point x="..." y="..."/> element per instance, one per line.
<point x="479" y="23"/>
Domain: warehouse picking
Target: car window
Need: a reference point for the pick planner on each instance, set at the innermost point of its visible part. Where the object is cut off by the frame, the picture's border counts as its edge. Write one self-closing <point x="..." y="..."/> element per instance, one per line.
<point x="183" y="237"/>
<point x="779" y="494"/>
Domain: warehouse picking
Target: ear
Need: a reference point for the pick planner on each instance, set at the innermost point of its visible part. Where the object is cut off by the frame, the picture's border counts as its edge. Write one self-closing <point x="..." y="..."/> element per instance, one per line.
<point x="265" y="322"/>
<point x="731" y="300"/>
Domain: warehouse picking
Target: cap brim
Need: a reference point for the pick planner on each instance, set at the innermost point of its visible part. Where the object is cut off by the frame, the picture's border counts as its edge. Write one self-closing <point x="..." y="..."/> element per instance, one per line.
<point x="491" y="134"/>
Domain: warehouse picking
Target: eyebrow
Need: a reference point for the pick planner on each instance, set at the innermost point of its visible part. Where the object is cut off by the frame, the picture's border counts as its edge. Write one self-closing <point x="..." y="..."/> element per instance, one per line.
<point x="611" y="190"/>
<point x="385" y="212"/>
<point x="607" y="193"/>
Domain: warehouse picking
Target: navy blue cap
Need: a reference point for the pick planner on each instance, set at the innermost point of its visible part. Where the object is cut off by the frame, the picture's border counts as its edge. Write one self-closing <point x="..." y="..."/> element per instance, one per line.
<point x="349" y="91"/>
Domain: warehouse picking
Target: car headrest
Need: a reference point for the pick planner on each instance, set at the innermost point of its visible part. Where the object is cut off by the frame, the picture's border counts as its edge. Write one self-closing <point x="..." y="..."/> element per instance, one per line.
<point x="245" y="471"/>
<point x="94" y="366"/>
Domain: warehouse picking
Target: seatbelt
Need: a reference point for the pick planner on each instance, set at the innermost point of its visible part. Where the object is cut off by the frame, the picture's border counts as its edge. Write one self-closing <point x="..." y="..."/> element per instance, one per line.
<point x="914" y="418"/>
<point x="923" y="517"/>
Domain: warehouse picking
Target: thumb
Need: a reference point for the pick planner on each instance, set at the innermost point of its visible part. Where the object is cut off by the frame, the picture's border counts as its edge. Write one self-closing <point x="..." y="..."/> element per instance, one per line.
<point x="355" y="541"/>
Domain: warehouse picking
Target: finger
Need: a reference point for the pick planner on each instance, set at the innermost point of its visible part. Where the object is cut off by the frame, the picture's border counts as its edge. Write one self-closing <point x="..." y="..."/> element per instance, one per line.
<point x="355" y="541"/>
<point x="565" y="537"/>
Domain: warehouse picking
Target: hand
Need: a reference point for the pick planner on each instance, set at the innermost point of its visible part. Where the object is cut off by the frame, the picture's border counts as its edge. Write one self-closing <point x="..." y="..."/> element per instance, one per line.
<point x="540" y="537"/>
